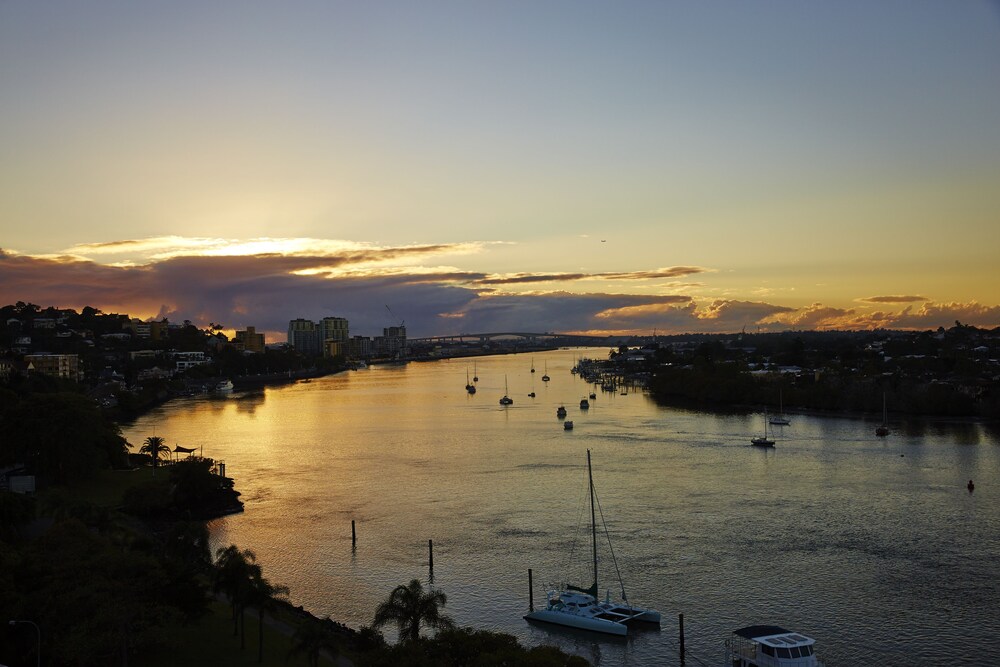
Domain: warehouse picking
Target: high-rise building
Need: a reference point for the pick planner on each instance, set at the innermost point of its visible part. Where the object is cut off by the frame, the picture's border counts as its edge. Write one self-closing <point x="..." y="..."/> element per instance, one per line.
<point x="359" y="347"/>
<point x="392" y="342"/>
<point x="332" y="329"/>
<point x="303" y="335"/>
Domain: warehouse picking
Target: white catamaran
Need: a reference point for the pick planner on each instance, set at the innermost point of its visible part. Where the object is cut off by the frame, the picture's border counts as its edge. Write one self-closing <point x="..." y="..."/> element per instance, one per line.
<point x="579" y="607"/>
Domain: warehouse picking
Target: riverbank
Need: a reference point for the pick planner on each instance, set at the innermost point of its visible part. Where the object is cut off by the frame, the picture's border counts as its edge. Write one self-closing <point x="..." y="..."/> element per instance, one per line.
<point x="141" y="405"/>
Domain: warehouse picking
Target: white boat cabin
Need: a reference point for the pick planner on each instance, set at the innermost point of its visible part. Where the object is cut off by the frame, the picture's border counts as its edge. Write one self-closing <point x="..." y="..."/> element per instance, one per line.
<point x="770" y="646"/>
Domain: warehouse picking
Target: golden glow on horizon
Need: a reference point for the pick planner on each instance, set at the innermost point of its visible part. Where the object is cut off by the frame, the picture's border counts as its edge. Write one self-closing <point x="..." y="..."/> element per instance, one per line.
<point x="153" y="280"/>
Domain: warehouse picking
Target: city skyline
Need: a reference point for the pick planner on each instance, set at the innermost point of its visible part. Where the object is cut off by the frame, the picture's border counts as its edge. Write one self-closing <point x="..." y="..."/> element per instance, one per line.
<point x="570" y="167"/>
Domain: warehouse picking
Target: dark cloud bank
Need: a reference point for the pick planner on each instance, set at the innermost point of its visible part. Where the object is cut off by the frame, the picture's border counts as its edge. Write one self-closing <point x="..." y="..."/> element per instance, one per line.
<point x="262" y="291"/>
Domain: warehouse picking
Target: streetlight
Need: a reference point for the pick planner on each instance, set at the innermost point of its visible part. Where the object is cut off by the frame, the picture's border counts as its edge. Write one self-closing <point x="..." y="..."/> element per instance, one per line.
<point x="39" y="631"/>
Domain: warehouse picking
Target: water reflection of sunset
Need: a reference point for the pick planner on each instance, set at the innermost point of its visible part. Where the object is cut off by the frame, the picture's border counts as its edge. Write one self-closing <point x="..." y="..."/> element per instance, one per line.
<point x="701" y="522"/>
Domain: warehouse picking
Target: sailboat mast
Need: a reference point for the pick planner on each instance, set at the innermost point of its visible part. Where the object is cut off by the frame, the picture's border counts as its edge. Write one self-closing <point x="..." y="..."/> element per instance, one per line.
<point x="593" y="521"/>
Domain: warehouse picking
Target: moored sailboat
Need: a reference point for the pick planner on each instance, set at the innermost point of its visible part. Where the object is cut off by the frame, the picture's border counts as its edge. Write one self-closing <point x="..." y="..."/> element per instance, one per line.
<point x="780" y="419"/>
<point x="882" y="430"/>
<point x="506" y="400"/>
<point x="763" y="441"/>
<point x="579" y="607"/>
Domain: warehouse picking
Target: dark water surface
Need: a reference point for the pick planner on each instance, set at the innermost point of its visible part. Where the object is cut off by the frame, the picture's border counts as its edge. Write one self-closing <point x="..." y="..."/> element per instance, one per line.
<point x="872" y="546"/>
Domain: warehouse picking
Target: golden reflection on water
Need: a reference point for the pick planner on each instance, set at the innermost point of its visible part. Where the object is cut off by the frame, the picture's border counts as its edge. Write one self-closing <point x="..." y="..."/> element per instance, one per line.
<point x="829" y="532"/>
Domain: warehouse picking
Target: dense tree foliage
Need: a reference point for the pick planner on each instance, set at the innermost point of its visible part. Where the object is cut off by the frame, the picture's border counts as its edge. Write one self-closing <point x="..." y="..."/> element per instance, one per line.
<point x="190" y="490"/>
<point x="465" y="647"/>
<point x="944" y="373"/>
<point x="98" y="597"/>
<point x="313" y="637"/>
<point x="59" y="437"/>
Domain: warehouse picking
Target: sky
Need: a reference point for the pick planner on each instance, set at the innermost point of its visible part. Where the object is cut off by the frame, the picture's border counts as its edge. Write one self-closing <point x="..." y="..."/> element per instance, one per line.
<point x="540" y="165"/>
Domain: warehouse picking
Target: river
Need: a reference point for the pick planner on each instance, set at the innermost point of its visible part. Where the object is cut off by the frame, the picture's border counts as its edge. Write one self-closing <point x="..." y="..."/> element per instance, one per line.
<point x="872" y="546"/>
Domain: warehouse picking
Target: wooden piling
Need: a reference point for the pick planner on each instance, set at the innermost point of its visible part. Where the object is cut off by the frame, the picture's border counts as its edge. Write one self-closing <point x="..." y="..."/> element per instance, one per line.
<point x="680" y="620"/>
<point x="531" y="593"/>
<point x="354" y="535"/>
<point x="430" y="551"/>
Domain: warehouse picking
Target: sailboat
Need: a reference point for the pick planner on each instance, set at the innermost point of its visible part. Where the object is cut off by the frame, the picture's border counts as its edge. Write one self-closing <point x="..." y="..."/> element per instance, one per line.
<point x="579" y="608"/>
<point x="532" y="364"/>
<point x="471" y="388"/>
<point x="883" y="430"/>
<point x="780" y="419"/>
<point x="506" y="400"/>
<point x="763" y="441"/>
<point x="545" y="377"/>
<point x="475" y="376"/>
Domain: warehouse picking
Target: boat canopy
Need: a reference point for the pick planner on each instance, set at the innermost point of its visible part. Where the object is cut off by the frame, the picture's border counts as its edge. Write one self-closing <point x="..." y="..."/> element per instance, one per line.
<point x="773" y="635"/>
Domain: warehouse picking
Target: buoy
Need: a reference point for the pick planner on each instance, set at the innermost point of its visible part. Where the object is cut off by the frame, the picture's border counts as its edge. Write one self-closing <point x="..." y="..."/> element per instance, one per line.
<point x="971" y="485"/>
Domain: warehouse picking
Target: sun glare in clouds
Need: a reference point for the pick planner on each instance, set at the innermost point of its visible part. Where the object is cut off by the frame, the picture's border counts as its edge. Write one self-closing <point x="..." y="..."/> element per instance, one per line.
<point x="167" y="247"/>
<point x="357" y="254"/>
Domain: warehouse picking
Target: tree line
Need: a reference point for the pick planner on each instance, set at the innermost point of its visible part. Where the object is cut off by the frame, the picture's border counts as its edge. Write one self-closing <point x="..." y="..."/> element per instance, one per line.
<point x="944" y="373"/>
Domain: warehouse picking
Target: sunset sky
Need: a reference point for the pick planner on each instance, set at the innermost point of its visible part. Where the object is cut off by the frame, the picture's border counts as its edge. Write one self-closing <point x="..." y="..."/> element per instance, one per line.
<point x="518" y="165"/>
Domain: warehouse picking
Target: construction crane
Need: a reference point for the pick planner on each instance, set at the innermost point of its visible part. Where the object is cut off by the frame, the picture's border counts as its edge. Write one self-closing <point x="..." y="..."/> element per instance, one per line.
<point x="402" y="323"/>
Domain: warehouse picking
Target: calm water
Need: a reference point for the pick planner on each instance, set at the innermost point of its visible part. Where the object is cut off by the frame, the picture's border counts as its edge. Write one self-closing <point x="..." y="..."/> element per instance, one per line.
<point x="872" y="546"/>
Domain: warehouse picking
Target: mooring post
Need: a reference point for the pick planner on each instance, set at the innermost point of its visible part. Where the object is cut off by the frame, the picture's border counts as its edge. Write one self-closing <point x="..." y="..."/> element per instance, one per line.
<point x="531" y="593"/>
<point x="680" y="619"/>
<point x="354" y="535"/>
<point x="430" y="550"/>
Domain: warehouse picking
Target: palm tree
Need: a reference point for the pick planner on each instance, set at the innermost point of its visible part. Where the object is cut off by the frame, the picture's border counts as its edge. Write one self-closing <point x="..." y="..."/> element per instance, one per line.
<point x="154" y="446"/>
<point x="233" y="575"/>
<point x="263" y="595"/>
<point x="311" y="639"/>
<point x="409" y="607"/>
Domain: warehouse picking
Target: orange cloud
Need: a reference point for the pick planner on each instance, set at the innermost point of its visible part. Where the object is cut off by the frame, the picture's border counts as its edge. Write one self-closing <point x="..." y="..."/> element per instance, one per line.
<point x="665" y="305"/>
<point x="731" y="311"/>
<point x="892" y="299"/>
<point x="928" y="316"/>
<point x="520" y="278"/>
<point x="933" y="315"/>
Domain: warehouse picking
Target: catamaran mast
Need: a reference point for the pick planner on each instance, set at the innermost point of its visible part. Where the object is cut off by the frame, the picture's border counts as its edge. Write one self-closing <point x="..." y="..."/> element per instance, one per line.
<point x="593" y="521"/>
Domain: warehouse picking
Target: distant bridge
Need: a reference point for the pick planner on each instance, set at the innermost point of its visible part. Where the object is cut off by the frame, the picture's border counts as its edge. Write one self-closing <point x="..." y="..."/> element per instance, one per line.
<point x="546" y="338"/>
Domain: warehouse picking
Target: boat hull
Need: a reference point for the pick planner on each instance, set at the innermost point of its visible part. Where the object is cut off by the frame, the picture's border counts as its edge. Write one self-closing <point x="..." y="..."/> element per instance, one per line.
<point x="580" y="622"/>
